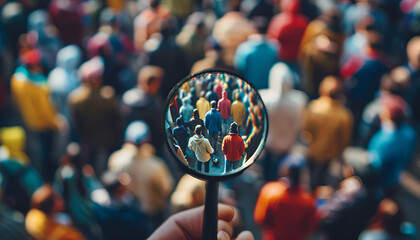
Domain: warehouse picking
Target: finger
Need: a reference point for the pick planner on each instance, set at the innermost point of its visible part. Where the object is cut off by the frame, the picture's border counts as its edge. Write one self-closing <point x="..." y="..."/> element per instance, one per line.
<point x="225" y="227"/>
<point x="245" y="235"/>
<point x="225" y="212"/>
<point x="223" y="236"/>
<point x="188" y="224"/>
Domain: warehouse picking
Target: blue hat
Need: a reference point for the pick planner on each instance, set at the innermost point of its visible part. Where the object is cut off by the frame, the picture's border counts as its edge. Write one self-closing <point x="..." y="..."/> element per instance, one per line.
<point x="137" y="132"/>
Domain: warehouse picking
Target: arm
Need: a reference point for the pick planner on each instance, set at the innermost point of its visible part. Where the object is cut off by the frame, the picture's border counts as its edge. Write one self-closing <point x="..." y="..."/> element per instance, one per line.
<point x="224" y="147"/>
<point x="209" y="148"/>
<point x="190" y="145"/>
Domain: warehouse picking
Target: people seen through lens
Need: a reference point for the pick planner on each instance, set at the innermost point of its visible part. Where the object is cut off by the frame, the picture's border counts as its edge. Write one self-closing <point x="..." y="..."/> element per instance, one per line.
<point x="219" y="134"/>
<point x="83" y="87"/>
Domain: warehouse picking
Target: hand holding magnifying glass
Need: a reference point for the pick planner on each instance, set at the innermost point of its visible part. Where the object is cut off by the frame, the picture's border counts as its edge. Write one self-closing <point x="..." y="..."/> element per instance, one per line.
<point x="216" y="126"/>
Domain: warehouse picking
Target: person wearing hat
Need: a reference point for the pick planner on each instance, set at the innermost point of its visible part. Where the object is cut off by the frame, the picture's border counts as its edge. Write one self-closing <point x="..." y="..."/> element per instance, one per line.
<point x="233" y="147"/>
<point x="202" y="148"/>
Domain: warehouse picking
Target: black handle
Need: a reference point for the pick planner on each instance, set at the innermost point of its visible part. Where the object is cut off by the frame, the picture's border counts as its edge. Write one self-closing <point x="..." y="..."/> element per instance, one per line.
<point x="210" y="211"/>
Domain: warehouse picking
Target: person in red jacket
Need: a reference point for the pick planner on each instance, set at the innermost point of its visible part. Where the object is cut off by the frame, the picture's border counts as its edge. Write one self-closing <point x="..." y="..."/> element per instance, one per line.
<point x="284" y="209"/>
<point x="223" y="106"/>
<point x="233" y="147"/>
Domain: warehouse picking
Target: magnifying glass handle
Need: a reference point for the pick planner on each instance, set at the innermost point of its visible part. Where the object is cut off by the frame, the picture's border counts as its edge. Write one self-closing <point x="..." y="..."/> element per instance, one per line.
<point x="210" y="211"/>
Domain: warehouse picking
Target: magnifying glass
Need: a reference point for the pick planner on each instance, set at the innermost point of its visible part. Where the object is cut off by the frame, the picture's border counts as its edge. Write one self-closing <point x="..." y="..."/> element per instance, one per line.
<point x="216" y="126"/>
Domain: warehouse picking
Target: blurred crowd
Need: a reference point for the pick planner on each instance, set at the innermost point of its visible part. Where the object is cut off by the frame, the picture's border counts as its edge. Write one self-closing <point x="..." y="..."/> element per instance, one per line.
<point x="83" y="84"/>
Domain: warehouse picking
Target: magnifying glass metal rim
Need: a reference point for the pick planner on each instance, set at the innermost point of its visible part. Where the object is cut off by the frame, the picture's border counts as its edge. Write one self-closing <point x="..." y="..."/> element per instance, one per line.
<point x="230" y="174"/>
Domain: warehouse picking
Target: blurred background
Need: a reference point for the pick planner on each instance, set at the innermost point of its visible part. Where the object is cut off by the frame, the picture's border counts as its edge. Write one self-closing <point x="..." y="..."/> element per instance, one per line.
<point x="83" y="84"/>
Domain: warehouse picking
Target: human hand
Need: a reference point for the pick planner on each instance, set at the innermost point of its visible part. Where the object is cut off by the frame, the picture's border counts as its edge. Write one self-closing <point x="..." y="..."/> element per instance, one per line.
<point x="188" y="225"/>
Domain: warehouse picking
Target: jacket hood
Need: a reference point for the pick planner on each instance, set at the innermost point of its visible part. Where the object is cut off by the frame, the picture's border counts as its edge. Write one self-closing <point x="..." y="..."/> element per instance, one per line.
<point x="198" y="139"/>
<point x="281" y="79"/>
<point x="186" y="101"/>
<point x="290" y="6"/>
<point x="69" y="57"/>
<point x="38" y="21"/>
<point x="224" y="94"/>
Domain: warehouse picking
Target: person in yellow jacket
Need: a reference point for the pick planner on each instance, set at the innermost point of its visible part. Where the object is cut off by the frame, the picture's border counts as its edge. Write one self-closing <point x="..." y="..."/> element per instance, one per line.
<point x="12" y="140"/>
<point x="44" y="222"/>
<point x="31" y="96"/>
<point x="202" y="105"/>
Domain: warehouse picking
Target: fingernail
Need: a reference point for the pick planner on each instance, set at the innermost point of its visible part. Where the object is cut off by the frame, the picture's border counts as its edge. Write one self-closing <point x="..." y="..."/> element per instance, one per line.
<point x="222" y="236"/>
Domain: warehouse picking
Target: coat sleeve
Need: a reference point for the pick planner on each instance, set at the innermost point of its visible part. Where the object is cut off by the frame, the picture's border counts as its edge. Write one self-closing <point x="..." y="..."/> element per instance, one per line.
<point x="190" y="146"/>
<point x="209" y="148"/>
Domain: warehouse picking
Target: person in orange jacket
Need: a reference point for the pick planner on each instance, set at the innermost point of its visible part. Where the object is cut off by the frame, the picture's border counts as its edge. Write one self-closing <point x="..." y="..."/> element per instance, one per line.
<point x="233" y="147"/>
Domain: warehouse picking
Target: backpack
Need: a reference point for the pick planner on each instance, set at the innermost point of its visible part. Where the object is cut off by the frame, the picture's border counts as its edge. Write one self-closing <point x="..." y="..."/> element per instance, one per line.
<point x="14" y="195"/>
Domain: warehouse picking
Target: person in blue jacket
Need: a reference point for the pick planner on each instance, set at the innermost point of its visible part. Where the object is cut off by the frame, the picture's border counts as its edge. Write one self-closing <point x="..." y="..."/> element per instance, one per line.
<point x="213" y="123"/>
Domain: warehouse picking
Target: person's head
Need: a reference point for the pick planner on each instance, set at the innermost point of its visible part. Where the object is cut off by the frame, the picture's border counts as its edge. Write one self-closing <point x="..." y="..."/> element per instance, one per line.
<point x="203" y="94"/>
<point x="237" y="96"/>
<point x="374" y="40"/>
<point x="198" y="130"/>
<point x="281" y="78"/>
<point x="292" y="167"/>
<point x="179" y="121"/>
<point x="13" y="138"/>
<point x="149" y="79"/>
<point x="154" y="3"/>
<point x="365" y="23"/>
<point x="32" y="60"/>
<point x="196" y="115"/>
<point x="91" y="72"/>
<point x="397" y="81"/>
<point x="69" y="57"/>
<point x="253" y="98"/>
<point x="224" y="94"/>
<point x="137" y="133"/>
<point x="394" y="109"/>
<point x="331" y="87"/>
<point x="233" y="128"/>
<point x="47" y="200"/>
<point x="213" y="104"/>
<point x="413" y="52"/>
<point x="186" y="101"/>
<point x="388" y="216"/>
<point x="294" y="175"/>
<point x="115" y="183"/>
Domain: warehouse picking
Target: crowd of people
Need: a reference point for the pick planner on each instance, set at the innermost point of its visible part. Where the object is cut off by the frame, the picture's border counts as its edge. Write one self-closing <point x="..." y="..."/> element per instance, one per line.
<point x="83" y="84"/>
<point x="225" y="132"/>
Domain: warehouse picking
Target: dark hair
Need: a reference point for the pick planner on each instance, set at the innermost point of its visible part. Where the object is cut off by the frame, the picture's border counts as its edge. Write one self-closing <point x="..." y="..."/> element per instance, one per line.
<point x="198" y="130"/>
<point x="43" y="199"/>
<point x="195" y="113"/>
<point x="294" y="173"/>
<point x="213" y="104"/>
<point x="179" y="121"/>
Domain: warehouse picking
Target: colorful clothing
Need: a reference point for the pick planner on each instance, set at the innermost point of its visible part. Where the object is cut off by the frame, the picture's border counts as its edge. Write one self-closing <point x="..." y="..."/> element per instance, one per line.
<point x="285" y="213"/>
<point x="330" y="125"/>
<point x="202" y="148"/>
<point x="203" y="106"/>
<point x="42" y="227"/>
<point x="237" y="110"/>
<point x="233" y="147"/>
<point x="31" y="93"/>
